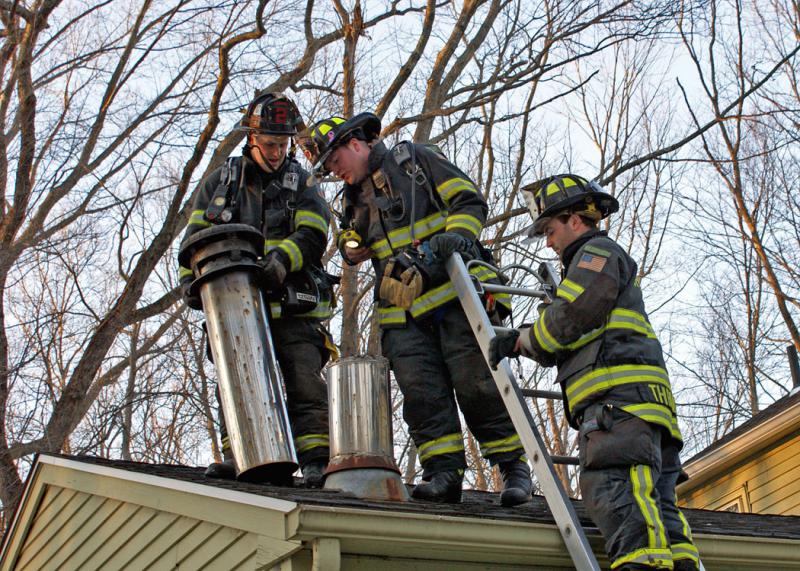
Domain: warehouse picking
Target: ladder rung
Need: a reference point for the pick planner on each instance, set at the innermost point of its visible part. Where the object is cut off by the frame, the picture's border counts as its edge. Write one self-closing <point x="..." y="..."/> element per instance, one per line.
<point x="536" y="393"/>
<point x="496" y="288"/>
<point x="573" y="460"/>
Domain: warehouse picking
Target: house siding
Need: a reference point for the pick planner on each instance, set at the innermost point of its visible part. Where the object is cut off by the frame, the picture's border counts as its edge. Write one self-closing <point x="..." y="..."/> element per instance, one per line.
<point x="766" y="483"/>
<point x="75" y="530"/>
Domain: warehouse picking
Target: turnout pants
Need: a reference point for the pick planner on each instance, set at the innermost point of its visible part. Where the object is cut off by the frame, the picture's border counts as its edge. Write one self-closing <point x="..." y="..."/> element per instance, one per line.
<point x="301" y="352"/>
<point x="435" y="362"/>
<point x="629" y="469"/>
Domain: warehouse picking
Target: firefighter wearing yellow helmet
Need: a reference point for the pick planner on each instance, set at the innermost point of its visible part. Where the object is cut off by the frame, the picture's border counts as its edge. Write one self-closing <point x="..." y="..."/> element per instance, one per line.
<point x="268" y="189"/>
<point x="612" y="373"/>
<point x="401" y="202"/>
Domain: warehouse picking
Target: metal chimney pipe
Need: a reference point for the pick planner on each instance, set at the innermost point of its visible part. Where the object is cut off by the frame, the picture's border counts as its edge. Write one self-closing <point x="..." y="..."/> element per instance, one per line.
<point x="223" y="259"/>
<point x="362" y="452"/>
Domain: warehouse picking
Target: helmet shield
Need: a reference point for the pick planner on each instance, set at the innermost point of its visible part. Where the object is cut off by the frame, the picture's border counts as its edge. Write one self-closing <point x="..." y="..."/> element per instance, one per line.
<point x="272" y="114"/>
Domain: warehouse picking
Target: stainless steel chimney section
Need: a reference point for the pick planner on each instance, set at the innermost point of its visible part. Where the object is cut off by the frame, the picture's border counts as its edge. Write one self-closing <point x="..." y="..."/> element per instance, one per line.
<point x="223" y="259"/>
<point x="362" y="454"/>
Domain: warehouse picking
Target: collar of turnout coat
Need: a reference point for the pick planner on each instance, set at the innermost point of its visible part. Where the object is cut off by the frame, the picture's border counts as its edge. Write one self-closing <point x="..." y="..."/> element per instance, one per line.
<point x="572" y="249"/>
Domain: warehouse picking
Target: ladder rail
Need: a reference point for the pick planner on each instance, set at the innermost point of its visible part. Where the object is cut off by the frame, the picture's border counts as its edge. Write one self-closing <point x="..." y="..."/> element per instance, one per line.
<point x="557" y="500"/>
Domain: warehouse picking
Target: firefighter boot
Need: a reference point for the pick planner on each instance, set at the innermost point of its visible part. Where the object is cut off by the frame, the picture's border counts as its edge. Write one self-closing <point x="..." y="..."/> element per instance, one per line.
<point x="517" y="483"/>
<point x="441" y="487"/>
<point x="225" y="469"/>
<point x="314" y="473"/>
<point x="685" y="565"/>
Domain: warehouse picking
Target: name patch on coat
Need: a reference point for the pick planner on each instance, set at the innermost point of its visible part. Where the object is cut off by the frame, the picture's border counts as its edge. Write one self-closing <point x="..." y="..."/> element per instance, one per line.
<point x="593" y="263"/>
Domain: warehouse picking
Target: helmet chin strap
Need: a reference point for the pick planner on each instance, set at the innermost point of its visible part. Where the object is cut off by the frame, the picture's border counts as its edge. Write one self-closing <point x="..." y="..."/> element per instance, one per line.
<point x="255" y="154"/>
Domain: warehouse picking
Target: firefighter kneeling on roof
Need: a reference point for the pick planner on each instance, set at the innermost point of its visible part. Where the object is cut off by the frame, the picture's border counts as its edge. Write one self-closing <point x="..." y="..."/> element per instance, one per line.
<point x="267" y="189"/>
<point x="408" y="209"/>
<point x="612" y="373"/>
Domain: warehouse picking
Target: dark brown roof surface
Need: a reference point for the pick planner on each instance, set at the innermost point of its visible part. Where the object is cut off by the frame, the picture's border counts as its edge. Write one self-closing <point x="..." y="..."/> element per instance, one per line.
<point x="774" y="409"/>
<point x="475" y="504"/>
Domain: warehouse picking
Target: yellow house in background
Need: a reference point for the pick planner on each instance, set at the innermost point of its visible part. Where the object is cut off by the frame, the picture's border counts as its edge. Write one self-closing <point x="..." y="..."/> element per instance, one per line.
<point x="755" y="468"/>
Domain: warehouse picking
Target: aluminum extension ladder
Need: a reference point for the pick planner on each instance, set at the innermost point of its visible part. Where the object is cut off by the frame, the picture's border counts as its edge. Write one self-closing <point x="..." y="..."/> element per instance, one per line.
<point x="542" y="462"/>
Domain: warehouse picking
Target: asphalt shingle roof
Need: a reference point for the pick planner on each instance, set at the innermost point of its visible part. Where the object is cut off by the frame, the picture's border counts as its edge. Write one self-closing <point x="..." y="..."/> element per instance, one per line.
<point x="475" y="504"/>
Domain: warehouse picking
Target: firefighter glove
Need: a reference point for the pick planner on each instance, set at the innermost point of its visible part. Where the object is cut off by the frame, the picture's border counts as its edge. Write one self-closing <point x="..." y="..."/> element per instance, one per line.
<point x="404" y="291"/>
<point x="189" y="298"/>
<point x="503" y="345"/>
<point x="274" y="270"/>
<point x="446" y="244"/>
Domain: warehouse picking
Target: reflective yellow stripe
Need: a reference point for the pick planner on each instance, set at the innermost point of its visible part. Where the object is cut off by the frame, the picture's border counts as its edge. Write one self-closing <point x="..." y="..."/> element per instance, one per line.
<point x="310" y="441"/>
<point x="659" y="558"/>
<point x="656" y="413"/>
<point x="454" y="186"/>
<point x="197" y="219"/>
<point x="432" y="299"/>
<point x="588" y="337"/>
<point x="628" y="319"/>
<point x="322" y="311"/>
<point x="643" y="487"/>
<point x="185" y="273"/>
<point x="553" y="187"/>
<point x="618" y="319"/>
<point x="324" y="128"/>
<point x="400" y="237"/>
<point x="605" y="378"/>
<point x="445" y="292"/>
<point x="271" y="244"/>
<point x="685" y="551"/>
<point x="569" y="290"/>
<point x="391" y="316"/>
<point x="596" y="250"/>
<point x="687" y="531"/>
<point x="503" y="299"/>
<point x="295" y="255"/>
<point x="444" y="445"/>
<point x="464" y="222"/>
<point x="502" y="445"/>
<point x="275" y="310"/>
<point x="312" y="220"/>
<point x="543" y="336"/>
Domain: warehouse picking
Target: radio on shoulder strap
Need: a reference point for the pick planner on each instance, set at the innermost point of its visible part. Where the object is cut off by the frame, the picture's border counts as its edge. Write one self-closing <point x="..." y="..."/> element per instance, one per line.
<point x="223" y="201"/>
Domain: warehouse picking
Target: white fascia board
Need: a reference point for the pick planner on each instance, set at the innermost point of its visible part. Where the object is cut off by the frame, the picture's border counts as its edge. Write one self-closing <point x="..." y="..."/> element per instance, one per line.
<point x="709" y="466"/>
<point x="252" y="500"/>
<point x="435" y="537"/>
<point x="405" y="535"/>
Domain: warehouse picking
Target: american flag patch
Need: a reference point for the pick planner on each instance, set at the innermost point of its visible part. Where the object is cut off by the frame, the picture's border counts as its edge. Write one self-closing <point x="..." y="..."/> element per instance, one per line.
<point x="594" y="263"/>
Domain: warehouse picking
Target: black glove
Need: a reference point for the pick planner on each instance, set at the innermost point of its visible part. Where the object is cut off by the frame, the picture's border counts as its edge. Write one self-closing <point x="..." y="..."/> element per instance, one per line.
<point x="445" y="244"/>
<point x="503" y="345"/>
<point x="192" y="300"/>
<point x="274" y="270"/>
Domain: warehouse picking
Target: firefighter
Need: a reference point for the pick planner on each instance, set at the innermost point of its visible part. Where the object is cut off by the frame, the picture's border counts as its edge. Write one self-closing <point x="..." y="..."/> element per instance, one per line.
<point x="267" y="189"/>
<point x="611" y="370"/>
<point x="407" y="209"/>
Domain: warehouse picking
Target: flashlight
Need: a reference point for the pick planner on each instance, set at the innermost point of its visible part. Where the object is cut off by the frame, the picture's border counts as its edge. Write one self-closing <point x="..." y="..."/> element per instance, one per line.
<point x="350" y="238"/>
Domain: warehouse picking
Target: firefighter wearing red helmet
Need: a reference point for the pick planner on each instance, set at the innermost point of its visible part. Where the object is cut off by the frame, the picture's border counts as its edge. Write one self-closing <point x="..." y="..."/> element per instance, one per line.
<point x="612" y="373"/>
<point x="398" y="203"/>
<point x="269" y="190"/>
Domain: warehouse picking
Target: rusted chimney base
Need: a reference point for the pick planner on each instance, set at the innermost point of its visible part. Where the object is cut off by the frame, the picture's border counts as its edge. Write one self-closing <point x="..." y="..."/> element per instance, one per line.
<point x="369" y="484"/>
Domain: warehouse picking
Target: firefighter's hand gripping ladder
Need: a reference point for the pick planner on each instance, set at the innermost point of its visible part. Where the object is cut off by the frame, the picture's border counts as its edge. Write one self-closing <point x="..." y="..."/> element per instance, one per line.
<point x="542" y="462"/>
